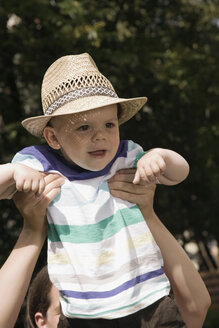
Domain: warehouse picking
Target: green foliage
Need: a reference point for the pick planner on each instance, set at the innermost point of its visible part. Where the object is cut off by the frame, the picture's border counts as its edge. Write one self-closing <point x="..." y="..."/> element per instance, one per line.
<point x="166" y="50"/>
<point x="212" y="318"/>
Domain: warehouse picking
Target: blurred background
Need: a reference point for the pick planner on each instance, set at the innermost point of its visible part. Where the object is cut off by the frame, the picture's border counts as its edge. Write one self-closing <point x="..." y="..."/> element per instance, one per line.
<point x="165" y="50"/>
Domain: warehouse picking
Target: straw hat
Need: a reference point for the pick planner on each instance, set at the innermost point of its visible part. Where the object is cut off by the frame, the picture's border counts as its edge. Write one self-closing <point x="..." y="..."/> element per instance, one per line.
<point x="73" y="84"/>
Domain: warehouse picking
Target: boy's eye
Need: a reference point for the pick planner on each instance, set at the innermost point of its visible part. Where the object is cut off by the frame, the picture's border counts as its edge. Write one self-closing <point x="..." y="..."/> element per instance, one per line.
<point x="83" y="128"/>
<point x="110" y="125"/>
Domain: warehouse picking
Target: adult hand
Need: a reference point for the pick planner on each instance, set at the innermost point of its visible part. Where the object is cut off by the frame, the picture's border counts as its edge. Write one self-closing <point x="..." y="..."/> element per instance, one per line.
<point x="15" y="274"/>
<point x="121" y="186"/>
<point x="33" y="207"/>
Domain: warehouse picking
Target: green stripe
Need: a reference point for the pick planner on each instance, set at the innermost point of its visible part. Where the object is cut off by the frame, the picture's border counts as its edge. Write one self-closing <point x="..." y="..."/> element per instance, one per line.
<point x="138" y="156"/>
<point x="92" y="233"/>
<point x="81" y="315"/>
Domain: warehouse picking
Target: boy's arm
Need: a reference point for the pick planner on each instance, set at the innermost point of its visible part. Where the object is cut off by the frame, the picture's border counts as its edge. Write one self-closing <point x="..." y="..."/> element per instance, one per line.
<point x="15" y="176"/>
<point x="16" y="272"/>
<point x="164" y="165"/>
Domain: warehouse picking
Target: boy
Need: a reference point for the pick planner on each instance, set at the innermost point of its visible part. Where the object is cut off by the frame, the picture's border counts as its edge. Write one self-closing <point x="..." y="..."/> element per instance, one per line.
<point x="101" y="254"/>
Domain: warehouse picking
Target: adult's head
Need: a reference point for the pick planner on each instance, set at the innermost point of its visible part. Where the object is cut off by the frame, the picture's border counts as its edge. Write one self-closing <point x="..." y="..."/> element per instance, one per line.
<point x="43" y="307"/>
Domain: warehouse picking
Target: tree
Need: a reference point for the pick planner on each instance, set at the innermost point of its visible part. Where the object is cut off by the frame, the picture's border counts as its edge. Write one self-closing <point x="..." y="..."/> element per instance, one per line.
<point x="166" y="50"/>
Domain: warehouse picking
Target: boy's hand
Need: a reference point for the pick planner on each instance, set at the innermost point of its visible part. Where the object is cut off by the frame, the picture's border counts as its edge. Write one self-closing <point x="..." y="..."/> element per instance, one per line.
<point x="149" y="167"/>
<point x="27" y="179"/>
<point x="33" y="208"/>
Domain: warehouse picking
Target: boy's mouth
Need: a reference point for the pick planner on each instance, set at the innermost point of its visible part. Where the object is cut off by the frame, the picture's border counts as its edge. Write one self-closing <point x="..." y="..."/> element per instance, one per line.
<point x="97" y="153"/>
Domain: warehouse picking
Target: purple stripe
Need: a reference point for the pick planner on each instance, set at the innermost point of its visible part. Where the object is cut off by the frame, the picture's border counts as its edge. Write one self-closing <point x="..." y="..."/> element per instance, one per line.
<point x="115" y="291"/>
<point x="52" y="160"/>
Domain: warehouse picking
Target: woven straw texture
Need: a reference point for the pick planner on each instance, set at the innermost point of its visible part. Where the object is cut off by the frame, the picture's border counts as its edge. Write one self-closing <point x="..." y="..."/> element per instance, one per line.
<point x="74" y="84"/>
<point x="70" y="73"/>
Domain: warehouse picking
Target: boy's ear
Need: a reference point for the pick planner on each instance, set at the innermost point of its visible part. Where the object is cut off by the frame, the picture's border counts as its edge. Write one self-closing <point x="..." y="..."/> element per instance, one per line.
<point x="50" y="136"/>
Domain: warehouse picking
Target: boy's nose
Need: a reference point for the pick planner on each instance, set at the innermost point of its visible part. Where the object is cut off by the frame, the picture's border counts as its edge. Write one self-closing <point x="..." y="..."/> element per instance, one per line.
<point x="99" y="135"/>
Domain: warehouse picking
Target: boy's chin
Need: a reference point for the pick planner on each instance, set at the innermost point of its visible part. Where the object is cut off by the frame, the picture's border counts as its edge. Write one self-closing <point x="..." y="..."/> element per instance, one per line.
<point x="88" y="167"/>
<point x="95" y="169"/>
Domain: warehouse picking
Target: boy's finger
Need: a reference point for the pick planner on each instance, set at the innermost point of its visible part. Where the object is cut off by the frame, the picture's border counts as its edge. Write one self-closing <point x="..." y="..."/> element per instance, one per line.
<point x="155" y="169"/>
<point x="162" y="165"/>
<point x="51" y="177"/>
<point x="27" y="186"/>
<point x="42" y="186"/>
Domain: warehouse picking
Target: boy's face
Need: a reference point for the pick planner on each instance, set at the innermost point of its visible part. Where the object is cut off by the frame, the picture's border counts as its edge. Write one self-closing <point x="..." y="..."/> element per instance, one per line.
<point x="89" y="139"/>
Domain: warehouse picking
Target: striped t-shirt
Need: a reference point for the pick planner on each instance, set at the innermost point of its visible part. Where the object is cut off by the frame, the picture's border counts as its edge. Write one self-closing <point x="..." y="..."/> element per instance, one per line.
<point x="101" y="254"/>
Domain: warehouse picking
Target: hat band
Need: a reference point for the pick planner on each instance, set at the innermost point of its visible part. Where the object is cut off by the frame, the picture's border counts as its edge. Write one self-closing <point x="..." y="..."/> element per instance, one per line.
<point x="79" y="93"/>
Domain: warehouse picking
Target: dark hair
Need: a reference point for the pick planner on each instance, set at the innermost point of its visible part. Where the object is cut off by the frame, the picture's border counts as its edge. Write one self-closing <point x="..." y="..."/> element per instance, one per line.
<point x="119" y="111"/>
<point x="38" y="299"/>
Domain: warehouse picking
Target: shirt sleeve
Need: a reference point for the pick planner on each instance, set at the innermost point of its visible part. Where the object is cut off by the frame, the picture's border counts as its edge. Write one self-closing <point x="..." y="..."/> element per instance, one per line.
<point x="29" y="160"/>
<point x="135" y="151"/>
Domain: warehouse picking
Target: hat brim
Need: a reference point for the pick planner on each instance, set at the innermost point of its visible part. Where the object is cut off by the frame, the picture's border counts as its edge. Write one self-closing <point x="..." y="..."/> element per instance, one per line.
<point x="129" y="107"/>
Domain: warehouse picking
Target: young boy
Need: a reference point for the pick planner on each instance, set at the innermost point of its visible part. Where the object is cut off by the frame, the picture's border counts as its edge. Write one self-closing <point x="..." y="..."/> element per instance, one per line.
<point x="101" y="255"/>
